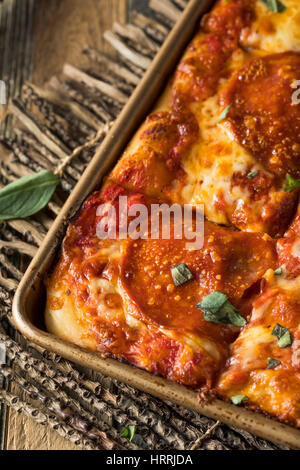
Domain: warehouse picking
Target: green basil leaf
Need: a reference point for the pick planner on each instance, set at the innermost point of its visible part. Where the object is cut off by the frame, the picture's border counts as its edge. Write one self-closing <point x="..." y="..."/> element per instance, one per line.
<point x="238" y="399"/>
<point x="224" y="113"/>
<point x="217" y="309"/>
<point x="275" y="5"/>
<point x="125" y="432"/>
<point x="291" y="183"/>
<point x="129" y="431"/>
<point x="27" y="195"/>
<point x="278" y="271"/>
<point x="285" y="340"/>
<point x="232" y="316"/>
<point x="213" y="302"/>
<point x="211" y="317"/>
<point x="272" y="363"/>
<point x="283" y="335"/>
<point x="181" y="274"/>
<point x="279" y="330"/>
<point x="252" y="174"/>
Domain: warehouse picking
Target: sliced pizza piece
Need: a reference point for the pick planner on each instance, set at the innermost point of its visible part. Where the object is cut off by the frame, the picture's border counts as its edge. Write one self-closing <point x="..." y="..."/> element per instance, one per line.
<point x="136" y="299"/>
<point x="152" y="163"/>
<point x="226" y="131"/>
<point x="263" y="371"/>
<point x="238" y="169"/>
<point x="247" y="144"/>
<point x="234" y="186"/>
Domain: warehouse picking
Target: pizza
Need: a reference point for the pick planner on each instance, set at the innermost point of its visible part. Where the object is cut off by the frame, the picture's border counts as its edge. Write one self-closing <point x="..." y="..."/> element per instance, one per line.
<point x="220" y="316"/>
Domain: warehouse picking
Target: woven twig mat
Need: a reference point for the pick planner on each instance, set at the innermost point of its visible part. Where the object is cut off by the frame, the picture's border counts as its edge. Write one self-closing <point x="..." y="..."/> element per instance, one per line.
<point x="60" y="126"/>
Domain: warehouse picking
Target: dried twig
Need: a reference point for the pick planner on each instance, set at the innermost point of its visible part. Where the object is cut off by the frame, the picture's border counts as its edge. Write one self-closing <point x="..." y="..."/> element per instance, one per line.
<point x="90" y="143"/>
<point x="208" y="433"/>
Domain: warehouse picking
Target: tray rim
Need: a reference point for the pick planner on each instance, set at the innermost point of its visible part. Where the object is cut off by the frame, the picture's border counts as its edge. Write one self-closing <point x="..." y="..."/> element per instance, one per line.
<point x="131" y="116"/>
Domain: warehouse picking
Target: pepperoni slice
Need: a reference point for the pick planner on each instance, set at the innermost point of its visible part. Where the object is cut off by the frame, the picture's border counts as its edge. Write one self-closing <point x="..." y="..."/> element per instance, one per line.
<point x="262" y="115"/>
<point x="229" y="261"/>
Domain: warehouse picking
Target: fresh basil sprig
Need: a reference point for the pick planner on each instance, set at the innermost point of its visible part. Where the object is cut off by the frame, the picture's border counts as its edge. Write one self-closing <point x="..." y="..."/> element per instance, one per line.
<point x="283" y="335"/>
<point x="276" y="6"/>
<point x="291" y="183"/>
<point x="129" y="431"/>
<point x="27" y="196"/>
<point x="217" y="309"/>
<point x="181" y="274"/>
<point x="224" y="113"/>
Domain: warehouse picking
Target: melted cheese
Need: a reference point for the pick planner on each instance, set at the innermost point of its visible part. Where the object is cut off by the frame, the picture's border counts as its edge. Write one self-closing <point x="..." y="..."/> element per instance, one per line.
<point x="296" y="353"/>
<point x="67" y="322"/>
<point x="274" y="32"/>
<point x="210" y="168"/>
<point x="296" y="249"/>
<point x="197" y="343"/>
<point x="289" y="285"/>
<point x="113" y="251"/>
<point x="250" y="342"/>
<point x="259" y="312"/>
<point x="212" y="163"/>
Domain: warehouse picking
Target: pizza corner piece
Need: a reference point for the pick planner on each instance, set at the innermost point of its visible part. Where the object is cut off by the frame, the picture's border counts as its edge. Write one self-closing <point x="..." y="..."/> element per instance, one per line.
<point x="264" y="365"/>
<point x="221" y="315"/>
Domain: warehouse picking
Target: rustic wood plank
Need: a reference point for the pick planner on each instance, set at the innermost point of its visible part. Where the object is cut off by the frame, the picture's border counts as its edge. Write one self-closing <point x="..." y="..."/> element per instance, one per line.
<point x="15" y="42"/>
<point x="62" y="31"/>
<point x="25" y="434"/>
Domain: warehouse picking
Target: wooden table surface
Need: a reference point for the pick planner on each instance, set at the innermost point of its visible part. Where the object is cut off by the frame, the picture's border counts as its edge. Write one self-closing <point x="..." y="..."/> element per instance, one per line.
<point x="62" y="29"/>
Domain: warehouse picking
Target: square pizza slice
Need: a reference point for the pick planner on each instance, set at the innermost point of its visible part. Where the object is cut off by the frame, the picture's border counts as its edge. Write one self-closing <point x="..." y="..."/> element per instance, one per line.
<point x="225" y="132"/>
<point x="139" y="299"/>
<point x="263" y="370"/>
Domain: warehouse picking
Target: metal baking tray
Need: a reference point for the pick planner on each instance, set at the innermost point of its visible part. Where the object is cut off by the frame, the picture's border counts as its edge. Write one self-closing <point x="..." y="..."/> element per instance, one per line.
<point x="29" y="300"/>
